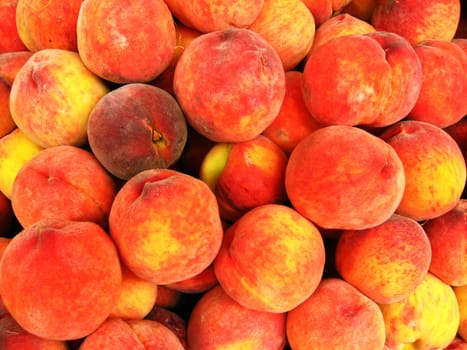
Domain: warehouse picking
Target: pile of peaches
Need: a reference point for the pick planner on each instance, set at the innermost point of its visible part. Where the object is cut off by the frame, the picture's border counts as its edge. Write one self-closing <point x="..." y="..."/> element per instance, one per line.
<point x="241" y="175"/>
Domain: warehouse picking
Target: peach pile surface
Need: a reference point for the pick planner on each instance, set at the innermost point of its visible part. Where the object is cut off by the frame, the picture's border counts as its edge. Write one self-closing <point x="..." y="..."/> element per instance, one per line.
<point x="233" y="175"/>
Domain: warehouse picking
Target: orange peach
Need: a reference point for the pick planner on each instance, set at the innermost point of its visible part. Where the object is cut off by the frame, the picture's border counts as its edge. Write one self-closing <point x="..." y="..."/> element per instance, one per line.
<point x="60" y="279"/>
<point x="322" y="10"/>
<point x="200" y="283"/>
<point x="7" y="124"/>
<point x="444" y="89"/>
<point x="272" y="259"/>
<point x="343" y="177"/>
<point x="219" y="322"/>
<point x="168" y="297"/>
<point x="457" y="344"/>
<point x="293" y="122"/>
<point x="448" y="238"/>
<point x="149" y="123"/>
<point x="386" y="262"/>
<point x="64" y="182"/>
<point x="336" y="316"/>
<point x="289" y="27"/>
<point x="11" y="63"/>
<point x="52" y="96"/>
<point x="461" y="42"/>
<point x="171" y="320"/>
<point x="461" y="296"/>
<point x="166" y="225"/>
<point x="434" y="168"/>
<point x="48" y="24"/>
<point x="230" y="84"/>
<point x="245" y="175"/>
<point x="126" y="42"/>
<point x="418" y="20"/>
<point x="362" y="79"/>
<point x="362" y="9"/>
<point x="4" y="241"/>
<point x="11" y="41"/>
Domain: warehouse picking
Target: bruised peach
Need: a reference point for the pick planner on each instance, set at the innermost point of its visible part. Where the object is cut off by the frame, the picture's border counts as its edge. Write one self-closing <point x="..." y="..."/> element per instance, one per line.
<point x="230" y="84"/>
<point x="166" y="225"/>
<point x="136" y="127"/>
<point x="272" y="259"/>
<point x="342" y="177"/>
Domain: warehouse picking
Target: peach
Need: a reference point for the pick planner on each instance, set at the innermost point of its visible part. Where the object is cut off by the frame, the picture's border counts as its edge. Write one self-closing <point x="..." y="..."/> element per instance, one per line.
<point x="64" y="182"/>
<point x="343" y="177"/>
<point x="11" y="41"/>
<point x="166" y="225"/>
<point x="7" y="217"/>
<point x="4" y="241"/>
<point x="136" y="299"/>
<point x="209" y="16"/>
<point x="458" y="131"/>
<point x="434" y="168"/>
<point x="461" y="42"/>
<point x="148" y="121"/>
<point x="386" y="262"/>
<point x="11" y="63"/>
<point x="115" y="333"/>
<point x="461" y="297"/>
<point x="245" y="175"/>
<point x="48" y="24"/>
<point x="16" y="149"/>
<point x="168" y="297"/>
<point x="219" y="322"/>
<point x="200" y="283"/>
<point x="13" y="337"/>
<point x="362" y="79"/>
<point x="322" y="10"/>
<point x="293" y="122"/>
<point x="336" y="316"/>
<point x="127" y="42"/>
<point x="46" y="270"/>
<point x="444" y="89"/>
<point x="230" y="85"/>
<point x="448" y="239"/>
<point x="289" y="27"/>
<point x="361" y="9"/>
<point x="272" y="259"/>
<point x="7" y="123"/>
<point x="171" y="320"/>
<point x="52" y="96"/>
<point x="427" y="319"/>
<point x="418" y="20"/>
<point x="457" y="344"/>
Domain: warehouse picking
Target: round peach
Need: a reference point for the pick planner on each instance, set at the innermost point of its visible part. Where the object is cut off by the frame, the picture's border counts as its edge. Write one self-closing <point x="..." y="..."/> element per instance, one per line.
<point x="11" y="41"/>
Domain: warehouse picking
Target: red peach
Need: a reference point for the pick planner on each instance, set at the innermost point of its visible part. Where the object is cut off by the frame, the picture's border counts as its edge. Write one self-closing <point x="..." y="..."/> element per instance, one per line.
<point x="7" y="124"/>
<point x="11" y="41"/>
<point x="168" y="297"/>
<point x="171" y="320"/>
<point x="200" y="283"/>
<point x="7" y="216"/>
<point x="323" y="10"/>
<point x="11" y="63"/>
<point x="362" y="9"/>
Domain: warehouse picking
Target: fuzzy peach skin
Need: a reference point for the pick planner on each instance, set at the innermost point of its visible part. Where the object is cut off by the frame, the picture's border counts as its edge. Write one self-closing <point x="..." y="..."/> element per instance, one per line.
<point x="136" y="127"/>
<point x="336" y="316"/>
<point x="118" y="334"/>
<point x="11" y="63"/>
<point x="434" y="168"/>
<point x="461" y="296"/>
<point x="219" y="322"/>
<point x="272" y="259"/>
<point x="172" y="320"/>
<point x="16" y="149"/>
<point x="427" y="319"/>
<point x="46" y="270"/>
<point x="126" y="42"/>
<point x="386" y="262"/>
<point x="289" y="27"/>
<point x="209" y="16"/>
<point x="294" y="121"/>
<point x="342" y="177"/>
<point x="461" y="42"/>
<point x="200" y="283"/>
<point x="64" y="182"/>
<point x="48" y="24"/>
<point x="323" y="10"/>
<point x="444" y="89"/>
<point x="168" y="297"/>
<point x="371" y="79"/>
<point x="166" y="225"/>
<point x="448" y="239"/>
<point x="418" y="20"/>
<point x="7" y="124"/>
<point x="11" y="41"/>
<point x="52" y="96"/>
<point x="245" y="175"/>
<point x="230" y="84"/>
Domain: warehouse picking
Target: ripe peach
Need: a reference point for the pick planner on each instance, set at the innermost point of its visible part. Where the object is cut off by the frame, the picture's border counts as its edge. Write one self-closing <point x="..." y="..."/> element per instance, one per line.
<point x="171" y="320"/>
<point x="64" y="182"/>
<point x="434" y="168"/>
<point x="166" y="225"/>
<point x="362" y="9"/>
<point x="149" y="123"/>
<point x="52" y="96"/>
<point x="230" y="84"/>
<point x="418" y="20"/>
<point x="461" y="296"/>
<point x="126" y="42"/>
<point x="342" y="177"/>
<point x="289" y="27"/>
<point x="245" y="175"/>
<point x="458" y="131"/>
<point x="11" y="41"/>
<point x="219" y="322"/>
<point x="11" y="63"/>
<point x="200" y="283"/>
<point x="48" y="24"/>
<point x="7" y="124"/>
<point x="168" y="297"/>
<point x="444" y="89"/>
<point x="323" y="10"/>
<point x="196" y="148"/>
<point x="357" y="322"/>
<point x="457" y="344"/>
<point x="272" y="259"/>
<point x="60" y="279"/>
<point x="293" y="122"/>
<point x="386" y="262"/>
<point x="7" y="217"/>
